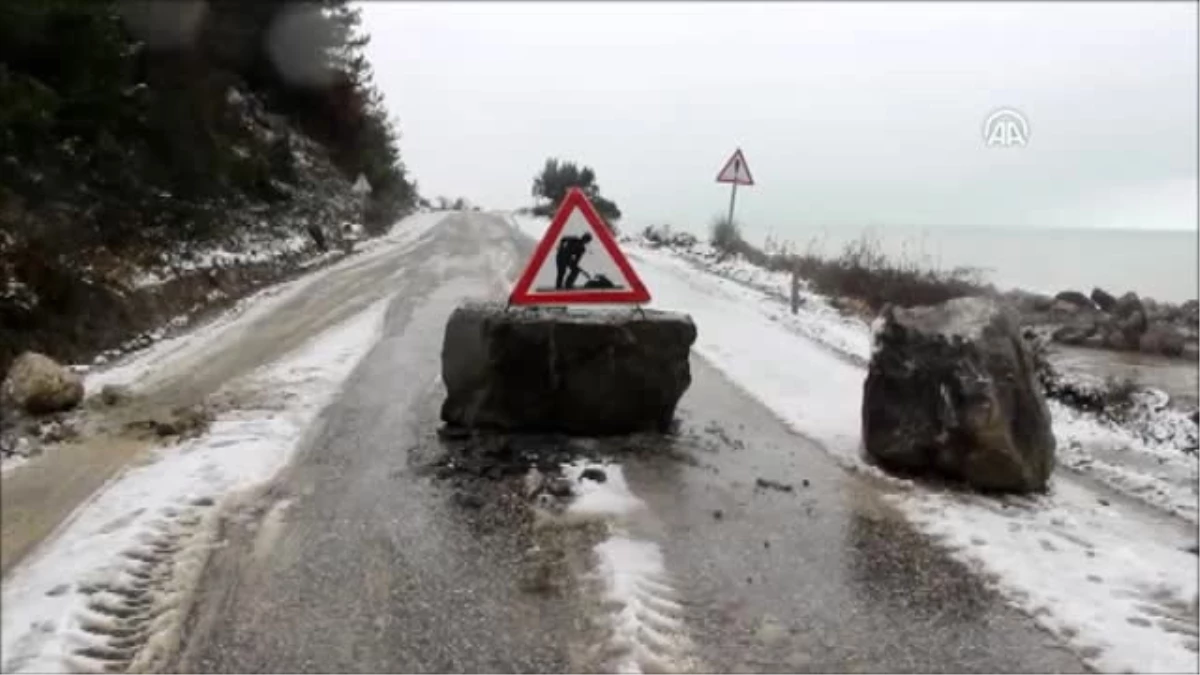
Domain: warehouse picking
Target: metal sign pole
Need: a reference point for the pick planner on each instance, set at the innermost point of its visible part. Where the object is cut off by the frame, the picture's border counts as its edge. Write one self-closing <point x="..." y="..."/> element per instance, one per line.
<point x="732" y="199"/>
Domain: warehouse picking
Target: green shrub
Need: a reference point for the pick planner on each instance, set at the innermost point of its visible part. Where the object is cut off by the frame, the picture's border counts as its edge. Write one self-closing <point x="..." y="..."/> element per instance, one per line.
<point x="557" y="177"/>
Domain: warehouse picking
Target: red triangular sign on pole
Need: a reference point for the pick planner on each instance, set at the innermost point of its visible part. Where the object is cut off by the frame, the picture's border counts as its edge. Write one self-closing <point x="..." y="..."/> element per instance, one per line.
<point x="736" y="170"/>
<point x="578" y="262"/>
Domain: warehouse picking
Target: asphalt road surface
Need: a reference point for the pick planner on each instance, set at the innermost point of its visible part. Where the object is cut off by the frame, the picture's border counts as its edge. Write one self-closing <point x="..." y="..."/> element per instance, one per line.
<point x="362" y="558"/>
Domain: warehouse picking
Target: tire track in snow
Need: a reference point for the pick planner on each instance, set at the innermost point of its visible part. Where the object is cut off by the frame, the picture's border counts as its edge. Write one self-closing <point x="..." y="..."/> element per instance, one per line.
<point x="135" y="607"/>
<point x="134" y="556"/>
<point x="638" y="616"/>
<point x="643" y="613"/>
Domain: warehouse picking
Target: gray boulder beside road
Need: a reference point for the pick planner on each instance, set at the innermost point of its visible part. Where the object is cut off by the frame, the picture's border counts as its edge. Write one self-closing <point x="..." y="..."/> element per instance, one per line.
<point x="596" y="372"/>
<point x="1128" y="323"/>
<point x="951" y="391"/>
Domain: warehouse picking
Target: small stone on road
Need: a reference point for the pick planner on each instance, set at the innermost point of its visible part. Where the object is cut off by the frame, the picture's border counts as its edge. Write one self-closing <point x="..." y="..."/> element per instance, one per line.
<point x="773" y="485"/>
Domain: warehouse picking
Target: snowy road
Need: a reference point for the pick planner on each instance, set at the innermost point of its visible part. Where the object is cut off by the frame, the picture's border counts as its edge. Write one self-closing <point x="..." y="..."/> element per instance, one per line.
<point x="356" y="557"/>
<point x="1092" y="565"/>
<point x="74" y="518"/>
<point x="364" y="563"/>
<point x="357" y="560"/>
<point x="817" y="573"/>
<point x="37" y="497"/>
<point x="374" y="566"/>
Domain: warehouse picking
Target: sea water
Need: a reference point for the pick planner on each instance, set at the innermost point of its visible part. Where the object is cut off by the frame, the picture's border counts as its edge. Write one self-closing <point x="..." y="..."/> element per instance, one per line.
<point x="1153" y="263"/>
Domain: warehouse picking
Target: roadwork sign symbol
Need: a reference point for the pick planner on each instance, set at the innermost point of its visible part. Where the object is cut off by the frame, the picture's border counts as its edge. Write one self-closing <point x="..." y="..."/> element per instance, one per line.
<point x="587" y="266"/>
<point x="736" y="170"/>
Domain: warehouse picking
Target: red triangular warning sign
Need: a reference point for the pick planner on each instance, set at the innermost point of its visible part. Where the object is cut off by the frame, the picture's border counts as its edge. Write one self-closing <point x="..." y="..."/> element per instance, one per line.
<point x="587" y="266"/>
<point x="736" y="170"/>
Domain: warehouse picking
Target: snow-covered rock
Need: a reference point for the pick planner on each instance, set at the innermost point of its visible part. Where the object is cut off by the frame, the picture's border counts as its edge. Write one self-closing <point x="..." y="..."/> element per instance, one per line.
<point x="37" y="384"/>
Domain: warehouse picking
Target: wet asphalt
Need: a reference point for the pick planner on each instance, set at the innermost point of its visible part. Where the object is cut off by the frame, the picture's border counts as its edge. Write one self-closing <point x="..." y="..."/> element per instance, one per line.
<point x="813" y="572"/>
<point x="363" y="556"/>
<point x="356" y="560"/>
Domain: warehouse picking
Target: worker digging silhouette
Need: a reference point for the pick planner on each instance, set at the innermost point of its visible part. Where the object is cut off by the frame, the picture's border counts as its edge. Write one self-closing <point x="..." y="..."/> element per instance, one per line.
<point x="570" y="251"/>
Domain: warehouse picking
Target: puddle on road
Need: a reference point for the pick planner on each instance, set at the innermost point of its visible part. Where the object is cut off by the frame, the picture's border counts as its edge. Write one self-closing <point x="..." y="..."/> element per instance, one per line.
<point x="37" y="497"/>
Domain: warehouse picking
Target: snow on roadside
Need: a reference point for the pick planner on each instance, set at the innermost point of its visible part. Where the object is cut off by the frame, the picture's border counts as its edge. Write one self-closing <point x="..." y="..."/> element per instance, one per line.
<point x="640" y="604"/>
<point x="260" y="248"/>
<point x="1159" y="474"/>
<point x="58" y="602"/>
<point x="755" y="346"/>
<point x="233" y="321"/>
<point x="815" y="317"/>
<point x="1111" y="581"/>
<point x="10" y="463"/>
<point x="532" y="226"/>
<point x="1150" y="466"/>
<point x="1113" y="585"/>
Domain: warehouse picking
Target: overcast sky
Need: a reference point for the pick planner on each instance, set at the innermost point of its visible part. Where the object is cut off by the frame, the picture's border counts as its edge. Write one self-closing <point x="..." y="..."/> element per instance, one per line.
<point x="849" y="114"/>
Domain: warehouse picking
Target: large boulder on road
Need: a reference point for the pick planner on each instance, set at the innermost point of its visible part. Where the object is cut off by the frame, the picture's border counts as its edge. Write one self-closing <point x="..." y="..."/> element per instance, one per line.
<point x="595" y="372"/>
<point x="951" y="391"/>
<point x="39" y="385"/>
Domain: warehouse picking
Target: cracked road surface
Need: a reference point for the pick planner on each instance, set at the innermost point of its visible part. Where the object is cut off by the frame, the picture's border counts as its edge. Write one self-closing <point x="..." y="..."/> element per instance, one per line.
<point x="358" y="558"/>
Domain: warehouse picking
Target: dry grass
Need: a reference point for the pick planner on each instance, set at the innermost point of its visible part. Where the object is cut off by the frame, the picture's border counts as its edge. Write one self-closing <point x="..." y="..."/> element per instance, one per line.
<point x="1118" y="391"/>
<point x="861" y="270"/>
